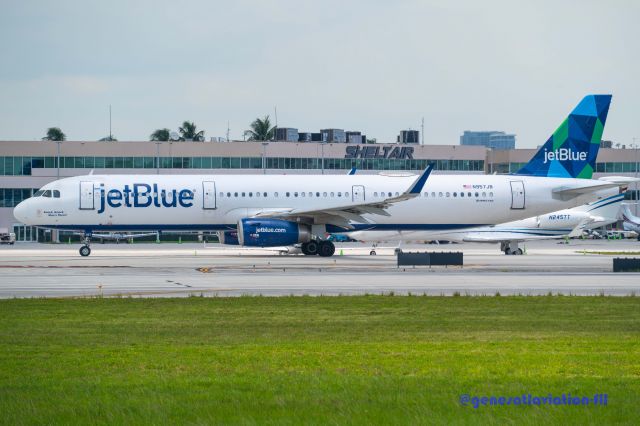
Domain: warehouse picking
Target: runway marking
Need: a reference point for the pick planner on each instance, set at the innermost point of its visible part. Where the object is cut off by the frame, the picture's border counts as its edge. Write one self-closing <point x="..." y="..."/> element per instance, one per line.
<point x="63" y="267"/>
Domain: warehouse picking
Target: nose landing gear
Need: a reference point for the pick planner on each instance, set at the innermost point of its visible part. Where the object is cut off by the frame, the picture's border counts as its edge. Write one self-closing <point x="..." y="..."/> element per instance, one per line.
<point x="85" y="250"/>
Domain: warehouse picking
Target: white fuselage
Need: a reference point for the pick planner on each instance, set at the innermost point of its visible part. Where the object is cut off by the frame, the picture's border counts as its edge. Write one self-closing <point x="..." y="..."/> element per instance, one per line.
<point x="549" y="225"/>
<point x="217" y="202"/>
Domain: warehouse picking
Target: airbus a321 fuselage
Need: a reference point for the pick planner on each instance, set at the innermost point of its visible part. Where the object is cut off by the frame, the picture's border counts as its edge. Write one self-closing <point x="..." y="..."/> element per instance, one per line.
<point x="276" y="210"/>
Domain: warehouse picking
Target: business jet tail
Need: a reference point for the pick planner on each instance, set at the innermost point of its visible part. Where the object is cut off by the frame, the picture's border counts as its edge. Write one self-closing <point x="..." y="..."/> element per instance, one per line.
<point x="572" y="149"/>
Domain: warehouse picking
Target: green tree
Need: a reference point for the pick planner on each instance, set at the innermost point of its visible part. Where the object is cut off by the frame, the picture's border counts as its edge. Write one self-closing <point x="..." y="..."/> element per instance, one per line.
<point x="261" y="130"/>
<point x="189" y="132"/>
<point x="161" y="135"/>
<point x="55" y="134"/>
<point x="109" y="138"/>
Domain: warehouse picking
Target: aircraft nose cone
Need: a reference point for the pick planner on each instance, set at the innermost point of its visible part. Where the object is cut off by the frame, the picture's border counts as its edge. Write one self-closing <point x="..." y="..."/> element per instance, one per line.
<point x="20" y="212"/>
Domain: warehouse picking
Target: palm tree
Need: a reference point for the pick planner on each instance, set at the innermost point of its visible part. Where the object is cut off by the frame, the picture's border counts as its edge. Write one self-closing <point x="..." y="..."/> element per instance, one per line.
<point x="54" y="134"/>
<point x="161" y="135"/>
<point x="189" y="133"/>
<point x="261" y="130"/>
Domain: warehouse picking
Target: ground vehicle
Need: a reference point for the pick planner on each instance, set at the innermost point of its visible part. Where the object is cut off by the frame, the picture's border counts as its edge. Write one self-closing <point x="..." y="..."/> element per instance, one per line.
<point x="614" y="234"/>
<point x="340" y="238"/>
<point x="7" y="237"/>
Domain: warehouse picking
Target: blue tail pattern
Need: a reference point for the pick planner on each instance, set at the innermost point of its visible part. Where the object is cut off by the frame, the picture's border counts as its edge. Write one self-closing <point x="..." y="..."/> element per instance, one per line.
<point x="572" y="149"/>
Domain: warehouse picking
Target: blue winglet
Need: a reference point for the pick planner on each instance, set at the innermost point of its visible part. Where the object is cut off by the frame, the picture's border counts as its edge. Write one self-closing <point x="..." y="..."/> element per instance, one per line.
<point x="352" y="171"/>
<point x="419" y="183"/>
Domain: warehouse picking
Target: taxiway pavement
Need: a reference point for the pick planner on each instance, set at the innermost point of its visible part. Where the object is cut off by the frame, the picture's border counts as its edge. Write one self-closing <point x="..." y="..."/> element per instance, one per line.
<point x="163" y="270"/>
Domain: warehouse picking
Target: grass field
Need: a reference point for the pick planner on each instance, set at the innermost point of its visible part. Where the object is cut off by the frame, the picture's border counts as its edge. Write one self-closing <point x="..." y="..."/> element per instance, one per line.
<point x="316" y="360"/>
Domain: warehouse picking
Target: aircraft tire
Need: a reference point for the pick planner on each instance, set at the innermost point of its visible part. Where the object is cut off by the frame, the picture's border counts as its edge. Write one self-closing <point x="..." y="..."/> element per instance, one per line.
<point x="519" y="252"/>
<point x="303" y="248"/>
<point x="85" y="251"/>
<point x="313" y="248"/>
<point x="326" y="249"/>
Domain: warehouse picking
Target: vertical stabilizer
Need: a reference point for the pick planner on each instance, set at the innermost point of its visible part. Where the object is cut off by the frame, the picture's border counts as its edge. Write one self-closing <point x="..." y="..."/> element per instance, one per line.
<point x="572" y="149"/>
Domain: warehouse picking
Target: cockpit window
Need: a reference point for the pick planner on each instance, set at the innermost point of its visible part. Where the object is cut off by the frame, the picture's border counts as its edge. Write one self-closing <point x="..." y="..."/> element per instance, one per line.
<point x="56" y="193"/>
<point x="38" y="193"/>
<point x="47" y="193"/>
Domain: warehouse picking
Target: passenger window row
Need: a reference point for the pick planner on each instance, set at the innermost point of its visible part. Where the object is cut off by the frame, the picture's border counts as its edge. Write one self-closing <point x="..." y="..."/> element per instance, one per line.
<point x="287" y="194"/>
<point x="376" y="194"/>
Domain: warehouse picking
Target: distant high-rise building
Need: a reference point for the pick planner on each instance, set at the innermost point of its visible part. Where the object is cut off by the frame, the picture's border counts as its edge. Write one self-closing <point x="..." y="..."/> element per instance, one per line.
<point x="287" y="134"/>
<point x="490" y="139"/>
<point x="409" y="136"/>
<point x="333" y="135"/>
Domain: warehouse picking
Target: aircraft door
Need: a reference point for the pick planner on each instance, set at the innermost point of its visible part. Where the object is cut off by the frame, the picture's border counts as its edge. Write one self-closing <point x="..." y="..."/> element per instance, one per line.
<point x="86" y="196"/>
<point x="357" y="193"/>
<point x="208" y="195"/>
<point x="517" y="194"/>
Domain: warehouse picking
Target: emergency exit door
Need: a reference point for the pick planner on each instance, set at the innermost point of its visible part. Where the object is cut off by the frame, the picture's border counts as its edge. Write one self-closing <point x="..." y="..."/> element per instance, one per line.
<point x="208" y="195"/>
<point x="358" y="193"/>
<point x="517" y="194"/>
<point x="86" y="196"/>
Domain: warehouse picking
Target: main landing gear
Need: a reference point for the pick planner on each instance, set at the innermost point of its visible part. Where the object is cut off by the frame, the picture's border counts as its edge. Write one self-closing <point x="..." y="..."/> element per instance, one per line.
<point x="85" y="250"/>
<point x="511" y="248"/>
<point x="322" y="248"/>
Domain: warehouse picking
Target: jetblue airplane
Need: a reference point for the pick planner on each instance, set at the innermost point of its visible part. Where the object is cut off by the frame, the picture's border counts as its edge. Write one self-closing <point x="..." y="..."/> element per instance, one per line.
<point x="282" y="210"/>
<point x="559" y="224"/>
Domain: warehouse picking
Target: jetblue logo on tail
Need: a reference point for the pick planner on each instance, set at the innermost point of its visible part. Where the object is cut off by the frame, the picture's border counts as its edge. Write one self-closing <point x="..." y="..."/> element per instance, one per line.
<point x="571" y="151"/>
<point x="564" y="154"/>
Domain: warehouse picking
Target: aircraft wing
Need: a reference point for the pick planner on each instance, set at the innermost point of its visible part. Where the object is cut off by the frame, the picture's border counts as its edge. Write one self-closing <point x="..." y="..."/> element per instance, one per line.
<point x="341" y="215"/>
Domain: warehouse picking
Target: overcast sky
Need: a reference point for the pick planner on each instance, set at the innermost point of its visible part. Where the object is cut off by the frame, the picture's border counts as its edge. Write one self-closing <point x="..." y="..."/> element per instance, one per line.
<point x="374" y="66"/>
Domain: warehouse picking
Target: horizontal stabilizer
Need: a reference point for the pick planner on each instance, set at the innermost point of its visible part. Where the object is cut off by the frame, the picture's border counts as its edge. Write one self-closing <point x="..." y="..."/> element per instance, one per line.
<point x="589" y="186"/>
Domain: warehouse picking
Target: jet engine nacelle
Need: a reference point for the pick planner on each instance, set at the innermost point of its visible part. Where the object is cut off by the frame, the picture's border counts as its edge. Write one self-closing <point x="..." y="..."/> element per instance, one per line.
<point x="229" y="238"/>
<point x="272" y="232"/>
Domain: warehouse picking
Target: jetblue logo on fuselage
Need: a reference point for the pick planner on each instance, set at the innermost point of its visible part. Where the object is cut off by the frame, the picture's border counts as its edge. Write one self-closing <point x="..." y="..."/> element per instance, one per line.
<point x="564" y="154"/>
<point x="144" y="195"/>
<point x="268" y="229"/>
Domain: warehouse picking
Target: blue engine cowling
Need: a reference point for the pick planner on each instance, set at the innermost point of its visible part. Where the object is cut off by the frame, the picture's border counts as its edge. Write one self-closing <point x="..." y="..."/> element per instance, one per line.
<point x="229" y="238"/>
<point x="272" y="232"/>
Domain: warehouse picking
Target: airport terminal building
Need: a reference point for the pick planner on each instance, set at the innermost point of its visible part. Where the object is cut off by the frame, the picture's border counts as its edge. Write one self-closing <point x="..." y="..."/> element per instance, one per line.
<point x="25" y="166"/>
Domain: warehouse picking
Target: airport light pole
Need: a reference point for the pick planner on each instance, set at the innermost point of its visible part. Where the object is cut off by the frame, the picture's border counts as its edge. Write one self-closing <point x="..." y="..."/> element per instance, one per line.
<point x="58" y="159"/>
<point x="157" y="158"/>
<point x="637" y="191"/>
<point x="264" y="157"/>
